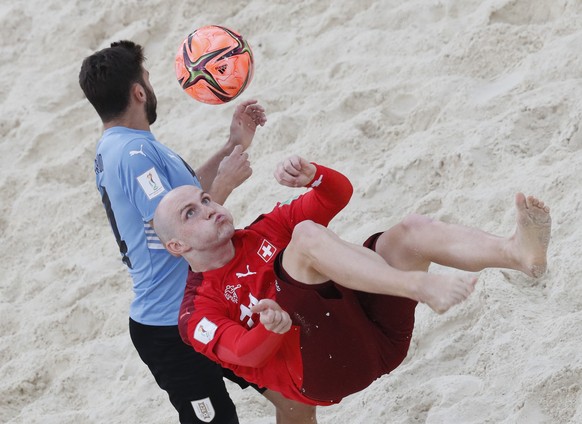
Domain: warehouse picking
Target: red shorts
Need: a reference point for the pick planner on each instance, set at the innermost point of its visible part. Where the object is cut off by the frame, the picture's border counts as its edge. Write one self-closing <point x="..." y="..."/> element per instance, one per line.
<point x="348" y="338"/>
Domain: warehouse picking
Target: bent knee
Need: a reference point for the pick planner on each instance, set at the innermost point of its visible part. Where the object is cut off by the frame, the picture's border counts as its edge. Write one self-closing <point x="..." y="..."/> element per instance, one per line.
<point x="415" y="222"/>
<point x="307" y="235"/>
<point x="404" y="234"/>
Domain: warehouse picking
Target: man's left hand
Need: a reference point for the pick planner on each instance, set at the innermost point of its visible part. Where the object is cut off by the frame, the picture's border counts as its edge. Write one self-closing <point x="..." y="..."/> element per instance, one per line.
<point x="273" y="317"/>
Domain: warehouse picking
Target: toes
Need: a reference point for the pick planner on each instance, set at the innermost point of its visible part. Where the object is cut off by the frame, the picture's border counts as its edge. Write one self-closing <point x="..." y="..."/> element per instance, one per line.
<point x="537" y="202"/>
<point x="520" y="201"/>
<point x="531" y="201"/>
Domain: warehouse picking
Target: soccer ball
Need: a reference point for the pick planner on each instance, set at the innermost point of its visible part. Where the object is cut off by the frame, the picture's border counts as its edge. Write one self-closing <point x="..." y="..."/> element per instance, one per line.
<point x="214" y="64"/>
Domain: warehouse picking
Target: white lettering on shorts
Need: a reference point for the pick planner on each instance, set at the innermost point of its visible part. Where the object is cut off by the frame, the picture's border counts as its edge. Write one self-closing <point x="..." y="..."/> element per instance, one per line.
<point x="204" y="331"/>
<point x="151" y="184"/>
<point x="203" y="409"/>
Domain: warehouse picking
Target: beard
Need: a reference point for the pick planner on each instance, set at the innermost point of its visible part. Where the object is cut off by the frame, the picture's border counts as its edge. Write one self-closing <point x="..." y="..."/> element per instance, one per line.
<point x="151" y="105"/>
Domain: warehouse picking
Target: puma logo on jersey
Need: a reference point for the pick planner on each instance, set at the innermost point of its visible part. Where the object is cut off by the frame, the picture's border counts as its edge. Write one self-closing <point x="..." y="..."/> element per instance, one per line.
<point x="137" y="152"/>
<point x="249" y="272"/>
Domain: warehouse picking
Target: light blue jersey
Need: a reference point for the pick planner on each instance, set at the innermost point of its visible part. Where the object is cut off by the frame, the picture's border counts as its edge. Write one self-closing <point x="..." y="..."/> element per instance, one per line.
<point x="133" y="173"/>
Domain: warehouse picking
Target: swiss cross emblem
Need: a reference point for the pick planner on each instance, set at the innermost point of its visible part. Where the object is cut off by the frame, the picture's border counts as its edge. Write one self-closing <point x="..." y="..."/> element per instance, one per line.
<point x="266" y="251"/>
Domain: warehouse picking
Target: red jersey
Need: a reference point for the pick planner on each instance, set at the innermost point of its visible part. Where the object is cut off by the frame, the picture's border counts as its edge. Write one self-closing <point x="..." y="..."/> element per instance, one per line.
<point x="215" y="317"/>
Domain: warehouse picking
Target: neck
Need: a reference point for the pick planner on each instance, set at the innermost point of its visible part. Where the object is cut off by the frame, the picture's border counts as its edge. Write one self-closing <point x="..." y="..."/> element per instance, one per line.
<point x="211" y="259"/>
<point x="129" y="119"/>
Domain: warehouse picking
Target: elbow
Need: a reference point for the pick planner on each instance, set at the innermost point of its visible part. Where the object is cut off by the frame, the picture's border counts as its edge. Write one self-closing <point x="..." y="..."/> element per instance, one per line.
<point x="348" y="192"/>
<point x="256" y="362"/>
<point x="251" y="359"/>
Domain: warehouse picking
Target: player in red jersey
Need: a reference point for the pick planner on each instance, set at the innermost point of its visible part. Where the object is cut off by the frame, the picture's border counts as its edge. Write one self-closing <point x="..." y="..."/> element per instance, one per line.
<point x="288" y="305"/>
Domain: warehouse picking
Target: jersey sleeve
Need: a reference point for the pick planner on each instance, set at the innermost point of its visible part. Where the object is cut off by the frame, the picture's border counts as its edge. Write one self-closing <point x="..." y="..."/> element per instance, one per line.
<point x="330" y="191"/>
<point x="193" y="281"/>
<point x="143" y="176"/>
<point x="249" y="348"/>
<point x="212" y="333"/>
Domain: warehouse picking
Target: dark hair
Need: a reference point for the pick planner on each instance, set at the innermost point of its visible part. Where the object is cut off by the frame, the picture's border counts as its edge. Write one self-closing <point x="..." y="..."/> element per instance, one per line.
<point x="106" y="77"/>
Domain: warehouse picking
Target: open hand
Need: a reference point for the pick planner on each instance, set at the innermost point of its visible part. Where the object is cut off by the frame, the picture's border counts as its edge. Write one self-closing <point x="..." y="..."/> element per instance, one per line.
<point x="247" y="116"/>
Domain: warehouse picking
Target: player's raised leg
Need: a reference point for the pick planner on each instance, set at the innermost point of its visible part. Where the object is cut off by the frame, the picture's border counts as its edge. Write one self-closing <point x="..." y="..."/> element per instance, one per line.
<point x="418" y="240"/>
<point x="315" y="254"/>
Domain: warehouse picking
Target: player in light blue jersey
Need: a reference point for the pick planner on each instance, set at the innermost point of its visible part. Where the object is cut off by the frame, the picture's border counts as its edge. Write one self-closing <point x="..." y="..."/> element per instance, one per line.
<point x="133" y="173"/>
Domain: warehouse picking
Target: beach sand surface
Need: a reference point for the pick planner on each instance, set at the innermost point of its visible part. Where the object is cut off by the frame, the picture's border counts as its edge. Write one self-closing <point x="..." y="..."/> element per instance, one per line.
<point x="441" y="107"/>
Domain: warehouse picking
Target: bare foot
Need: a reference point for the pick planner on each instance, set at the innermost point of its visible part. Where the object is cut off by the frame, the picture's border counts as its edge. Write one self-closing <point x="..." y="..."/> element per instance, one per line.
<point x="532" y="235"/>
<point x="442" y="292"/>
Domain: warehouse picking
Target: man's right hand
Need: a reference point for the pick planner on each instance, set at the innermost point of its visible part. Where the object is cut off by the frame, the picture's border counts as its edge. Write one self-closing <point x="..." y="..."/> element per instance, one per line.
<point x="233" y="170"/>
<point x="273" y="317"/>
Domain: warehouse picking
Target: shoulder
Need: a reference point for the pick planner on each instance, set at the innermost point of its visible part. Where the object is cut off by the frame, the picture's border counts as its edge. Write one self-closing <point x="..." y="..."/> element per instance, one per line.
<point x="138" y="146"/>
<point x="209" y="297"/>
<point x="141" y="153"/>
<point x="127" y="141"/>
<point x="273" y="225"/>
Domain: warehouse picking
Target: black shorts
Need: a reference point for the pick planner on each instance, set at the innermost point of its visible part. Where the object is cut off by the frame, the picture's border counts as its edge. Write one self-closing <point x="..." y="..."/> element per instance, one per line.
<point x="193" y="382"/>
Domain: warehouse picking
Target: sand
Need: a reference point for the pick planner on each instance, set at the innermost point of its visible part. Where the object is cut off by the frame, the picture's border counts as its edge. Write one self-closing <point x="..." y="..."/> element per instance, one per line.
<point x="441" y="107"/>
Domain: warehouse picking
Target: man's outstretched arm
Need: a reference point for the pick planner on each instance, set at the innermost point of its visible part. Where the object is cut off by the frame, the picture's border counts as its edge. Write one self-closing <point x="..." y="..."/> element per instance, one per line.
<point x="216" y="178"/>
